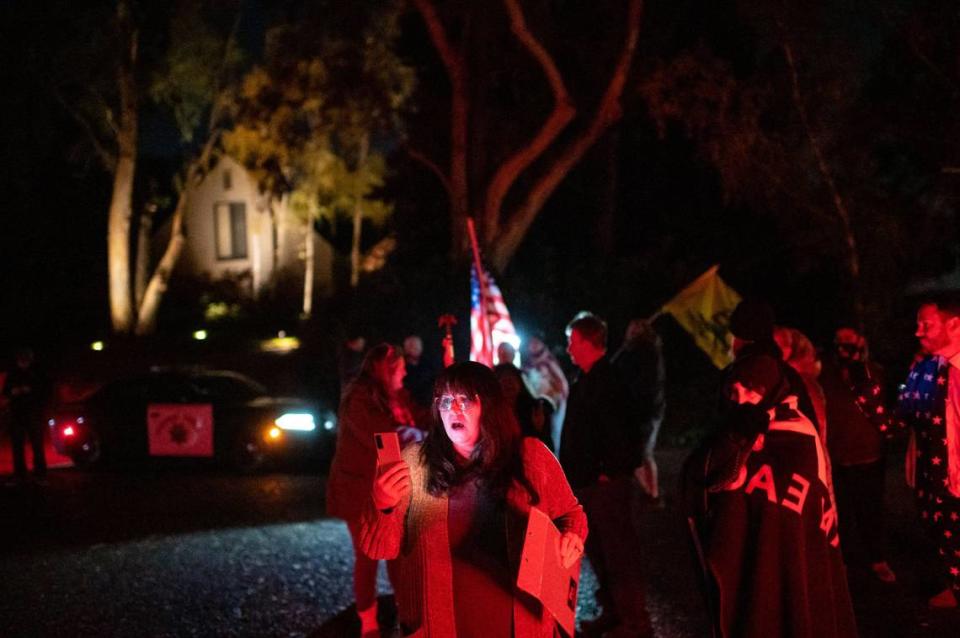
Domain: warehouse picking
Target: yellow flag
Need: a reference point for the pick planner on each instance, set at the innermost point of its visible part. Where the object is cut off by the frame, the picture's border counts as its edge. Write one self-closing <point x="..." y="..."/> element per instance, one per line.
<point x="703" y="308"/>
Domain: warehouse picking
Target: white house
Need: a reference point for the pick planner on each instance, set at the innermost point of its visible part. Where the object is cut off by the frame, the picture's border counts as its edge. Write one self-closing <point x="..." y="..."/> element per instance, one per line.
<point x="232" y="232"/>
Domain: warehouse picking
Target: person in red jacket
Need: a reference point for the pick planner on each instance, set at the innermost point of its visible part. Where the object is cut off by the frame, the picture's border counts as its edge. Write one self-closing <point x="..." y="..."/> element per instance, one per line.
<point x="451" y="516"/>
<point x="374" y="402"/>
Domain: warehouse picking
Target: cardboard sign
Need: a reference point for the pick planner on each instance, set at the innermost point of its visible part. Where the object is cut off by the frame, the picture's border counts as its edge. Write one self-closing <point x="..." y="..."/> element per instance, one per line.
<point x="180" y="429"/>
<point x="541" y="574"/>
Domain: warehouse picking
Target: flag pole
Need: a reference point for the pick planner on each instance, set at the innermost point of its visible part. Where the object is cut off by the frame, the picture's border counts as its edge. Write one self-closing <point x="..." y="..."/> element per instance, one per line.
<point x="481" y="281"/>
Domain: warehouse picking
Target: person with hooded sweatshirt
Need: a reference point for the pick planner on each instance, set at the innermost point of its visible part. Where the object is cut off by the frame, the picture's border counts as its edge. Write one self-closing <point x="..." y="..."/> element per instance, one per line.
<point x="763" y="518"/>
<point x="752" y="326"/>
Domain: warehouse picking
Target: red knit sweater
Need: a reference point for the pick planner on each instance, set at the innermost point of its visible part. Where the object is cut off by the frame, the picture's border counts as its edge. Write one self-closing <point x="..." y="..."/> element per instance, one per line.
<point x="415" y="535"/>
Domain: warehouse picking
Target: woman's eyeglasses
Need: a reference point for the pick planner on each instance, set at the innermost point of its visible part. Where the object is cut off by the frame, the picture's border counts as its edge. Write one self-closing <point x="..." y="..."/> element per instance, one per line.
<point x="446" y="402"/>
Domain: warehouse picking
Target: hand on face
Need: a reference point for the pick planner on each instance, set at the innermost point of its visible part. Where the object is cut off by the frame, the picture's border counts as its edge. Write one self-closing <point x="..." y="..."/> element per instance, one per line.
<point x="391" y="485"/>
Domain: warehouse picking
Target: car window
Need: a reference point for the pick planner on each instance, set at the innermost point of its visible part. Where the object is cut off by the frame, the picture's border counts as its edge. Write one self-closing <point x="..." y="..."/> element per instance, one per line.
<point x="160" y="387"/>
<point x="227" y="386"/>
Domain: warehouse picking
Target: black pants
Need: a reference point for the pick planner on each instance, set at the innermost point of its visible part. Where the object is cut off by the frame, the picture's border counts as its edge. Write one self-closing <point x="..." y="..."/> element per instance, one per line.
<point x="859" y="490"/>
<point x="23" y="427"/>
<point x="613" y="549"/>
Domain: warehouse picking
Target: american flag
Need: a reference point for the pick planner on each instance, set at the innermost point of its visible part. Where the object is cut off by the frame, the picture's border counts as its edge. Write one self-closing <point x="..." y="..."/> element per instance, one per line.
<point x="488" y="330"/>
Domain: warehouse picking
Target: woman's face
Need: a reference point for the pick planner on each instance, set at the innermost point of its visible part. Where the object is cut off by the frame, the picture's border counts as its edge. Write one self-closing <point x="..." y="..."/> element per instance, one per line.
<point x="461" y="420"/>
<point x="392" y="373"/>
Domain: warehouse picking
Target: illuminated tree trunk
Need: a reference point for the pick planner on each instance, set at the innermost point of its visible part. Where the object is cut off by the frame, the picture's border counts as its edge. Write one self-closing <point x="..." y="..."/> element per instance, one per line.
<point x="160" y="280"/>
<point x="147" y="315"/>
<point x="118" y="221"/>
<point x="358" y="217"/>
<point x="309" y="252"/>
<point x="142" y="271"/>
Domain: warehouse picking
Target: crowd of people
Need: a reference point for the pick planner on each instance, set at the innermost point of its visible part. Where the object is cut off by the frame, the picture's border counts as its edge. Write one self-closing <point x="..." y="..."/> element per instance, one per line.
<point x="494" y="442"/>
<point x="782" y="496"/>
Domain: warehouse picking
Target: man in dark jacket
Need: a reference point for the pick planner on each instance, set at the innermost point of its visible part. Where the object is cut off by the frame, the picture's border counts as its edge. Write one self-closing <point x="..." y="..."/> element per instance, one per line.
<point x="640" y="360"/>
<point x="600" y="447"/>
<point x="26" y="390"/>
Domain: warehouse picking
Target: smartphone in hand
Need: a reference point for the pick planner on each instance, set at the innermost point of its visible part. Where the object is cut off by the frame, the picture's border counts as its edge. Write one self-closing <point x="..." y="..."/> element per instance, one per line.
<point x="388" y="448"/>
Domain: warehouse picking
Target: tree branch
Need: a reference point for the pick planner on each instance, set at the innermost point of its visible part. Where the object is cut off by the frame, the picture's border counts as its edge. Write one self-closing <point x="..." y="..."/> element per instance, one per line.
<point x="107" y="159"/>
<point x="608" y="112"/>
<point x="432" y="166"/>
<point x="563" y="112"/>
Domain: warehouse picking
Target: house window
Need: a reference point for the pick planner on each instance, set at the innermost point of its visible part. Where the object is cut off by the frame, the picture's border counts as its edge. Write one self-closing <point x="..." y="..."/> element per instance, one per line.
<point x="227" y="180"/>
<point x="230" y="227"/>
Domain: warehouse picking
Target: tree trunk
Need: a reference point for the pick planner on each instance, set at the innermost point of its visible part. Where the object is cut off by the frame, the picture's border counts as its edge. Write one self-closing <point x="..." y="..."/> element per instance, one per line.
<point x="610" y="195"/>
<point x="358" y="217"/>
<point x="459" y="112"/>
<point x="142" y="273"/>
<point x="309" y="249"/>
<point x="121" y="200"/>
<point x="147" y="315"/>
<point x="516" y="225"/>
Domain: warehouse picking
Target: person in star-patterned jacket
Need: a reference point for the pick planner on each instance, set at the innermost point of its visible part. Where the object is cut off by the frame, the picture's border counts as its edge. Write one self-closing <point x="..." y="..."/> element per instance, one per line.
<point x="930" y="405"/>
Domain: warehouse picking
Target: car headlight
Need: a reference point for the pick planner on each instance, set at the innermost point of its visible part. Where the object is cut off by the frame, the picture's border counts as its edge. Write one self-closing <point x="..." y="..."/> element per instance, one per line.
<point x="296" y="421"/>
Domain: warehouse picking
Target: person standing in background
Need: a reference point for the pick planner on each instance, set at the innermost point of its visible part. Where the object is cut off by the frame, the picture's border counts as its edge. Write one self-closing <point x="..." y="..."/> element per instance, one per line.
<point x="372" y="403"/>
<point x="599" y="449"/>
<point x="640" y="360"/>
<point x="545" y="378"/>
<point x="26" y="389"/>
<point x="930" y="405"/>
<point x="857" y="419"/>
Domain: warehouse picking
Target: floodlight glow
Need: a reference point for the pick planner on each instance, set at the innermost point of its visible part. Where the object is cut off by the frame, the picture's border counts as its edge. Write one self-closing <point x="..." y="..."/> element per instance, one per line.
<point x="296" y="421"/>
<point x="96" y="346"/>
<point x="200" y="335"/>
<point x="280" y="345"/>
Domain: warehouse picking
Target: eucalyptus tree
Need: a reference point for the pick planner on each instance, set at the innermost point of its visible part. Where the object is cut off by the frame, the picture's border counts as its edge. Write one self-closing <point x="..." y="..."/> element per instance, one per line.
<point x="315" y="121"/>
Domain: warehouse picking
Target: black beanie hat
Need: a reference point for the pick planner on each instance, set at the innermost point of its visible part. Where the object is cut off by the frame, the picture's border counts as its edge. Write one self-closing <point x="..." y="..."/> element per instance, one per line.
<point x="752" y="320"/>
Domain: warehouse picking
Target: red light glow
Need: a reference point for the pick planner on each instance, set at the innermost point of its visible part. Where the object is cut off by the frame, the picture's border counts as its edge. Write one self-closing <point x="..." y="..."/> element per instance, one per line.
<point x="69" y="431"/>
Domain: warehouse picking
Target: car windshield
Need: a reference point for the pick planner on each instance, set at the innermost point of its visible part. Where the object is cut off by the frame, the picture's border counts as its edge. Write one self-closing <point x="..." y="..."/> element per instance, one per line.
<point x="228" y="385"/>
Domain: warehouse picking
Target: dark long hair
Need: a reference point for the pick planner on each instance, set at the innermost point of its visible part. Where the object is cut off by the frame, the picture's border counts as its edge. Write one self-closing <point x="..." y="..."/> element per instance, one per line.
<point x="496" y="458"/>
<point x="378" y="364"/>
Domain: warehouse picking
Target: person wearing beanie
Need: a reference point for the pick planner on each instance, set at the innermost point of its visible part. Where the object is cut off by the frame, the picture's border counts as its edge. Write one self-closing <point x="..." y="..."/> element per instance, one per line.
<point x="767" y="530"/>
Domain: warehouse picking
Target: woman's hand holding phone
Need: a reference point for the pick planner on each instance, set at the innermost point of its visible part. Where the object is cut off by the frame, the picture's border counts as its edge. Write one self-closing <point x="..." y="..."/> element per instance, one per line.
<point x="391" y="485"/>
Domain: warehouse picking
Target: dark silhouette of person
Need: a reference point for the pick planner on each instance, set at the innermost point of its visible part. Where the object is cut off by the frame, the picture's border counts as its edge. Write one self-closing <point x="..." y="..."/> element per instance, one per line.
<point x="26" y="389"/>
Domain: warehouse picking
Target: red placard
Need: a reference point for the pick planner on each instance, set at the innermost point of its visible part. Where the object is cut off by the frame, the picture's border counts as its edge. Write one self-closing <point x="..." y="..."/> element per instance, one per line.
<point x="180" y="429"/>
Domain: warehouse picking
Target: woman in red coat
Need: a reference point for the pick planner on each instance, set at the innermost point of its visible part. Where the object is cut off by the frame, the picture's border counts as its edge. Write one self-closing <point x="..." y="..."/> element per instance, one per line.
<point x="374" y="402"/>
<point x="451" y="516"/>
